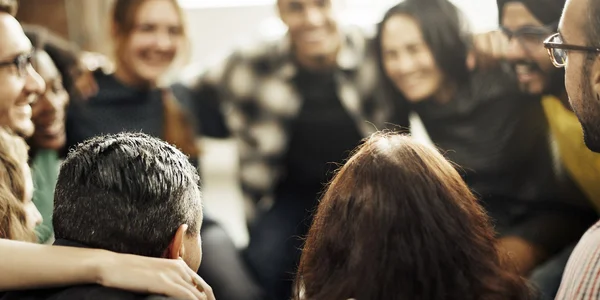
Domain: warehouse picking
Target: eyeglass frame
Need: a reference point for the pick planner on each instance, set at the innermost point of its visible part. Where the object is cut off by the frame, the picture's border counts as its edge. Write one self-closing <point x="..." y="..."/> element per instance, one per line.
<point x="562" y="46"/>
<point x="21" y="61"/>
<point x="541" y="31"/>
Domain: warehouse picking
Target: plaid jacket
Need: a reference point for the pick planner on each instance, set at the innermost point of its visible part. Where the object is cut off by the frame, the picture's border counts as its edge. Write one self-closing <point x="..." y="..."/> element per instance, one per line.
<point x="254" y="89"/>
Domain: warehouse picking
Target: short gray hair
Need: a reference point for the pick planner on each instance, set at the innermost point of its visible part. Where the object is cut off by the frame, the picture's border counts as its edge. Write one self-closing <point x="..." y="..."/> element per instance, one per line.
<point x="127" y="193"/>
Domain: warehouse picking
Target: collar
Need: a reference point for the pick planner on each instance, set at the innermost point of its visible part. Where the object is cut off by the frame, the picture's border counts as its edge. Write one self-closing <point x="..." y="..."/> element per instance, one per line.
<point x="69" y="243"/>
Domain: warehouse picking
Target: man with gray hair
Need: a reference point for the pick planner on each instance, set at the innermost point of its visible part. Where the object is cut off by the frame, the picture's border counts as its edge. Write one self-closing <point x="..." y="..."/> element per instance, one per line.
<point x="127" y="193"/>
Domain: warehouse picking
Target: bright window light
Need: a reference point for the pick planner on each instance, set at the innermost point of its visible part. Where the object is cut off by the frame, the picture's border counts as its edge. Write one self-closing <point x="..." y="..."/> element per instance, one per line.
<point x="194" y="4"/>
<point x="482" y="14"/>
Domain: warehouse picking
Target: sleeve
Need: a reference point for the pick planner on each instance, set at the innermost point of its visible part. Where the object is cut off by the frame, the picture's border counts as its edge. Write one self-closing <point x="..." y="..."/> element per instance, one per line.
<point x="554" y="229"/>
<point x="204" y="94"/>
<point x="204" y="102"/>
<point x="582" y="273"/>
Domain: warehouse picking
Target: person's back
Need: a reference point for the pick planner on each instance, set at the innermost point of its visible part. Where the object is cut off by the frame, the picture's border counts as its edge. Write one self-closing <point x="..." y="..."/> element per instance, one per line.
<point x="127" y="193"/>
<point x="81" y="292"/>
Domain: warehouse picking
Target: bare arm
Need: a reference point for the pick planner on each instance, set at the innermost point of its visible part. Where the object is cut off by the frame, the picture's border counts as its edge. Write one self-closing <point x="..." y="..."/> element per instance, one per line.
<point x="27" y="265"/>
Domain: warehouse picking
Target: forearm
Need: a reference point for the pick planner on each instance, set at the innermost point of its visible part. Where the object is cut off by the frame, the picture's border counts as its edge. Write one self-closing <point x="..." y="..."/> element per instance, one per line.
<point x="28" y="265"/>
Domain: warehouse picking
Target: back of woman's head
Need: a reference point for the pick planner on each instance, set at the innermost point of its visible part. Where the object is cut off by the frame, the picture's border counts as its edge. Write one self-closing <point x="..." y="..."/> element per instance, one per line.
<point x="398" y="222"/>
<point x="13" y="160"/>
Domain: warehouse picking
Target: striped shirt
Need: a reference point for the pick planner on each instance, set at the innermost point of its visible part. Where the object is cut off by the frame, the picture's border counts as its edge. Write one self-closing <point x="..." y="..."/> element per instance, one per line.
<point x="581" y="279"/>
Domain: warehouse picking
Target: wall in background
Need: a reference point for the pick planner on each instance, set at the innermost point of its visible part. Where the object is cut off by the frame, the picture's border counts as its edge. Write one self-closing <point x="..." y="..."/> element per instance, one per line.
<point x="218" y="25"/>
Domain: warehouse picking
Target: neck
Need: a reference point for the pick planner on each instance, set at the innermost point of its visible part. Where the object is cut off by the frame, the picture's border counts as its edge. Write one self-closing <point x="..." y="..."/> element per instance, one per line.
<point x="445" y="94"/>
<point x="563" y="97"/>
<point x="317" y="63"/>
<point x="130" y="79"/>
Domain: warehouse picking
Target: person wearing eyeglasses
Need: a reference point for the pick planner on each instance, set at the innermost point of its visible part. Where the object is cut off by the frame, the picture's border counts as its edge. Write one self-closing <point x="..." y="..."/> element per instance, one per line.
<point x="526" y="24"/>
<point x="19" y="83"/>
<point x="575" y="47"/>
<point x="28" y="265"/>
<point x="497" y="134"/>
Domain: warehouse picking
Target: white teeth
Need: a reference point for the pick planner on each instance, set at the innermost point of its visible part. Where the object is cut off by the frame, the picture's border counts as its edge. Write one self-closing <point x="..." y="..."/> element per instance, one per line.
<point x="521" y="69"/>
<point x="411" y="80"/>
<point x="314" y="35"/>
<point x="32" y="98"/>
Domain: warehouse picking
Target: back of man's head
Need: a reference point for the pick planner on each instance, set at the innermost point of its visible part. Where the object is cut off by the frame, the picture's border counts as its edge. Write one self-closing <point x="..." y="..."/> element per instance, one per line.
<point x="127" y="193"/>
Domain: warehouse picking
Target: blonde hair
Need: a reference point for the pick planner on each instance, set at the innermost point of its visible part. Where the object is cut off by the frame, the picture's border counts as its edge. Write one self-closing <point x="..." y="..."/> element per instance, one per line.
<point x="13" y="158"/>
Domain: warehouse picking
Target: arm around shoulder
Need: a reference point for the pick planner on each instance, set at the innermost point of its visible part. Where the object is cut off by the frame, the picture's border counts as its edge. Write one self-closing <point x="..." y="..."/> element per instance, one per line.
<point x="27" y="265"/>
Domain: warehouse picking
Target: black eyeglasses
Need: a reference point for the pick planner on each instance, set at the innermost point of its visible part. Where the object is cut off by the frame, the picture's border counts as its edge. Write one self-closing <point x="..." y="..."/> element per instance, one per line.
<point x="557" y="50"/>
<point x="22" y="62"/>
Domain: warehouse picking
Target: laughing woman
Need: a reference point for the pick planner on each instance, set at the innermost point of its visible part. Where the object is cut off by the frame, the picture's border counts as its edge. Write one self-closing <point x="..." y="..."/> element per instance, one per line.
<point x="498" y="136"/>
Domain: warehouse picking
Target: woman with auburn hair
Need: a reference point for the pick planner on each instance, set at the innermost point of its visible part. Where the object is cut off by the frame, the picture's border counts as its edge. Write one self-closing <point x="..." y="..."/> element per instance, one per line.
<point x="398" y="222"/>
<point x="496" y="134"/>
<point x="18" y="214"/>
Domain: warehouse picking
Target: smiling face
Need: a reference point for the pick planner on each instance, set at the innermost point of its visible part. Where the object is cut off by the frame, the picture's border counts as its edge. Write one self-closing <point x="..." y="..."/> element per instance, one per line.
<point x="408" y="60"/>
<point x="582" y="72"/>
<point x="49" y="110"/>
<point x="526" y="53"/>
<point x="149" y="50"/>
<point x="19" y="82"/>
<point x="312" y="27"/>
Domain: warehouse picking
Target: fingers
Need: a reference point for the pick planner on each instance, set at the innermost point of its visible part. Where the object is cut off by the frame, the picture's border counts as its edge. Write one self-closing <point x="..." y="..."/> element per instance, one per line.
<point x="490" y="48"/>
<point x="499" y="44"/>
<point x="190" y="280"/>
<point x="86" y="85"/>
<point x="204" y="287"/>
<point x="184" y="290"/>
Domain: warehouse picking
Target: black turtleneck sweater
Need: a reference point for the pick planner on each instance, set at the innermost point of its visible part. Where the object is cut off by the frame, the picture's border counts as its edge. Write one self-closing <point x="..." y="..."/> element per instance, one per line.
<point x="115" y="108"/>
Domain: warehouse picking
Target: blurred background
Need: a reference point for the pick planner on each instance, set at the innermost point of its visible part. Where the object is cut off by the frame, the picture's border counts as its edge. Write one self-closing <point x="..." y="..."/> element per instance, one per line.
<point x="215" y="27"/>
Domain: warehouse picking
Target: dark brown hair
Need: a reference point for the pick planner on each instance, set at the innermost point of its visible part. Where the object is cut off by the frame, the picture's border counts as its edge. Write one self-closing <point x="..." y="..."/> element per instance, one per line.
<point x="13" y="158"/>
<point x="398" y="222"/>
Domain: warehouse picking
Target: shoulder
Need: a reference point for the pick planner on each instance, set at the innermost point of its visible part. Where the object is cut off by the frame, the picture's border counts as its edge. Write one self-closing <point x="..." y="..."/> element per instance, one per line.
<point x="498" y="83"/>
<point x="583" y="267"/>
<point x="261" y="56"/>
<point x="97" y="292"/>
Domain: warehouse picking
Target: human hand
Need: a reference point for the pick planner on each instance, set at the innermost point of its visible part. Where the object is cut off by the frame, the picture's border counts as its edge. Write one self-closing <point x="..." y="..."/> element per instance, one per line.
<point x="488" y="49"/>
<point x="89" y="62"/>
<point x="523" y="254"/>
<point x="148" y="275"/>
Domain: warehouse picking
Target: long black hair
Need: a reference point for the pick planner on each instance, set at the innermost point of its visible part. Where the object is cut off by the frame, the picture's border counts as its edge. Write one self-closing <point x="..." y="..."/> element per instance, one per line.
<point x="444" y="30"/>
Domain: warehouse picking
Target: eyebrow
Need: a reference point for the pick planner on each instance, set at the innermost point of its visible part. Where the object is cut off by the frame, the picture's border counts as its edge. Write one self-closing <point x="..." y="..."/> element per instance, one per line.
<point x="14" y="55"/>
